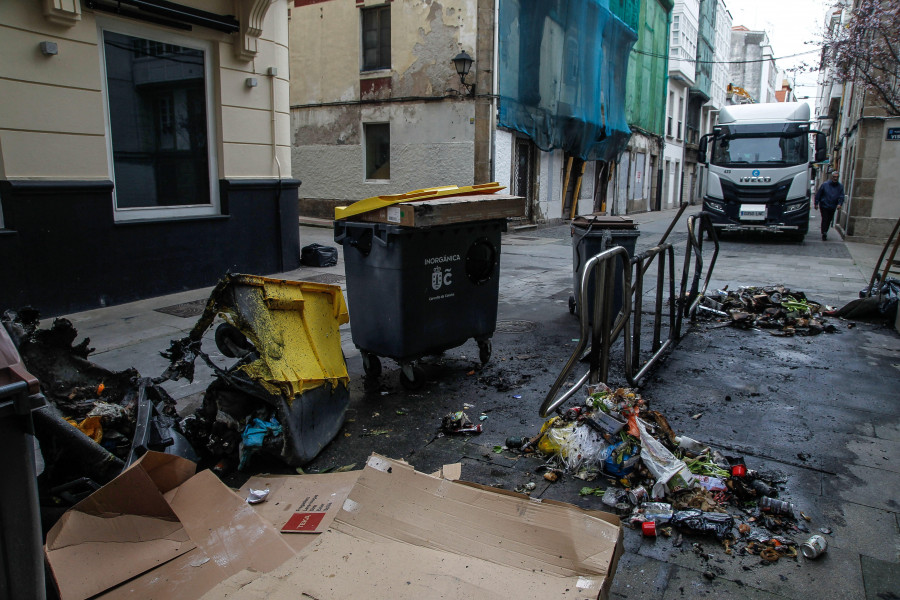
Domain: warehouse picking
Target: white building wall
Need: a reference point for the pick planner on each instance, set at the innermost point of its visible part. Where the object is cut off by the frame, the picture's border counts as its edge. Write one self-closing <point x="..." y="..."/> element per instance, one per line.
<point x="503" y="158"/>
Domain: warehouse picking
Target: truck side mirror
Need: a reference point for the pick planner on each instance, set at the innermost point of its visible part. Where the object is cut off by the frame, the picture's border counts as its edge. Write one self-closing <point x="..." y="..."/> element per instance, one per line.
<point x="702" y="150"/>
<point x="821" y="147"/>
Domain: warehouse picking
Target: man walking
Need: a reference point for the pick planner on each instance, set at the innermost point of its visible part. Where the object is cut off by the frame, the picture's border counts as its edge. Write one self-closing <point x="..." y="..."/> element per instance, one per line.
<point x="828" y="198"/>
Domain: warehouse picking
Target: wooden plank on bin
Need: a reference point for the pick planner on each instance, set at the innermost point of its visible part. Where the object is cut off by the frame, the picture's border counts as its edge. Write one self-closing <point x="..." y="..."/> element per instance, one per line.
<point x="447" y="211"/>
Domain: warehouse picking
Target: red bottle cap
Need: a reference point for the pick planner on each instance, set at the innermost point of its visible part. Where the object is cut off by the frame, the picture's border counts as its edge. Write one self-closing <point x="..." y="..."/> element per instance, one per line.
<point x="738" y="471"/>
<point x="648" y="528"/>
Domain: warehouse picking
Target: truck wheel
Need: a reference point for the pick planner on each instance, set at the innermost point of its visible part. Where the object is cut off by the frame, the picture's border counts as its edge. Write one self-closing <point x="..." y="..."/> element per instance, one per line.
<point x="371" y="365"/>
<point x="484" y="351"/>
<point x="414" y="380"/>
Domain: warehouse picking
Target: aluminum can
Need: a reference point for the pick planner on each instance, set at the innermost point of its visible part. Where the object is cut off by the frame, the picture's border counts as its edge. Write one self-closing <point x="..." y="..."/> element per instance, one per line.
<point x="648" y="528"/>
<point x="814" y="547"/>
<point x="775" y="506"/>
<point x="638" y="495"/>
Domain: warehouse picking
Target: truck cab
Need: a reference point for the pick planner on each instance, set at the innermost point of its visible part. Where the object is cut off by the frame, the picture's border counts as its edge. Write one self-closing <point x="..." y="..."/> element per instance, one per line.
<point x="759" y="168"/>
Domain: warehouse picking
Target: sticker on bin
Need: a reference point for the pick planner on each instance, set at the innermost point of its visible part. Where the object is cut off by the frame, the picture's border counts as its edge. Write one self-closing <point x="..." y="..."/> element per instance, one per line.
<point x="753" y="212"/>
<point x="394" y="214"/>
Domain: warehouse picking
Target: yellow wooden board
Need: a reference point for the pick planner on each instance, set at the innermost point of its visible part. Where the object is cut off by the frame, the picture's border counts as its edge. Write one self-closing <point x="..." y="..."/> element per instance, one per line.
<point x="376" y="202"/>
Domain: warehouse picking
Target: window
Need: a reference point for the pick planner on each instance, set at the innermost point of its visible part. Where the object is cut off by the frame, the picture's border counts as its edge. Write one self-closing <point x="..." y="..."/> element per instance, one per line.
<point x="376" y="38"/>
<point x="669" y="108"/>
<point x="378" y="150"/>
<point x="159" y="126"/>
<point x="676" y="28"/>
<point x="680" y="115"/>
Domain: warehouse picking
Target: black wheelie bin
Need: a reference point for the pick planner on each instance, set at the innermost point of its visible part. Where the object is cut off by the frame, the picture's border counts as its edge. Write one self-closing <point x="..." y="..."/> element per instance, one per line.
<point x="418" y="291"/>
<point x="591" y="235"/>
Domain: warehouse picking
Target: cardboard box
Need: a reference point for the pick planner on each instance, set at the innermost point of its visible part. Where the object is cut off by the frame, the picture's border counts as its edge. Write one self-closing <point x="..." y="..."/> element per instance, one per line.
<point x="159" y="530"/>
<point x="408" y="535"/>
<point x="446" y="211"/>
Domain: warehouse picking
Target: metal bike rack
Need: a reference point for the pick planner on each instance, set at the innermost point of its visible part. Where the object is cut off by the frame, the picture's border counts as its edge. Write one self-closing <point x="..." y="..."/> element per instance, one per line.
<point x="695" y="244"/>
<point x="601" y="330"/>
<point x="642" y="262"/>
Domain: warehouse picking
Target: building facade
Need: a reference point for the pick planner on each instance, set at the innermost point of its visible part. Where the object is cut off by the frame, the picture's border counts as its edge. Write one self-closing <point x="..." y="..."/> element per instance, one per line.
<point x="864" y="142"/>
<point x="638" y="184"/>
<point x="753" y="64"/>
<point x="377" y="105"/>
<point x="143" y="148"/>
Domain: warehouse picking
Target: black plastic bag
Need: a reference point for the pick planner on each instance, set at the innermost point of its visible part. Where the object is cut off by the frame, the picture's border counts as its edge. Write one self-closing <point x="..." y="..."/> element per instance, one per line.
<point x="317" y="255"/>
<point x="695" y="520"/>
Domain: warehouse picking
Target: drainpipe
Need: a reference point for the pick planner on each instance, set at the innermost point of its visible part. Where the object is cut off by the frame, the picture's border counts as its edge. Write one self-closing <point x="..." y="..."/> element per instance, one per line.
<point x="662" y="150"/>
<point x="272" y="72"/>
<point x="495" y="89"/>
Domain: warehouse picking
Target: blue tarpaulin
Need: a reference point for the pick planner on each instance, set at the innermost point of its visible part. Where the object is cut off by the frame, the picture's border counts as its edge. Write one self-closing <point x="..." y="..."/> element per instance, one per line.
<point x="563" y="66"/>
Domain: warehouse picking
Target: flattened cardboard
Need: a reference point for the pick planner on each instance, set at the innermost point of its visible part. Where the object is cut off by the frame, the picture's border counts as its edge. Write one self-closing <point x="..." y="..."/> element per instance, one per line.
<point x="159" y="531"/>
<point x="292" y="497"/>
<point x="447" y="211"/>
<point x="123" y="529"/>
<point x="403" y="534"/>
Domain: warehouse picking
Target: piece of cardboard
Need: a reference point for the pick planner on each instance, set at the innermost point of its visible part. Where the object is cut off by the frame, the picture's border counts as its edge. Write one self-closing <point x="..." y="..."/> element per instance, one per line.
<point x="301" y="503"/>
<point x="159" y="531"/>
<point x="447" y="211"/>
<point x="404" y="534"/>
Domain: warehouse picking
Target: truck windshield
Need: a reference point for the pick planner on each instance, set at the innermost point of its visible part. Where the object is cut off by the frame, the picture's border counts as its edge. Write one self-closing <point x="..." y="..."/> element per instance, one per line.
<point x="769" y="145"/>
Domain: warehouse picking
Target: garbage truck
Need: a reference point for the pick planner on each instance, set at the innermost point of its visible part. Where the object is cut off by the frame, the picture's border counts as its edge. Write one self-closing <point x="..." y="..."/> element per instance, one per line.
<point x="758" y="168"/>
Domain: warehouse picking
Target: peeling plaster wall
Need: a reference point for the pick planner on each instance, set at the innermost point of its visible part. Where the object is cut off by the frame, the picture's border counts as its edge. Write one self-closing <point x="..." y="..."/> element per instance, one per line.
<point x="431" y="145"/>
<point x="432" y="126"/>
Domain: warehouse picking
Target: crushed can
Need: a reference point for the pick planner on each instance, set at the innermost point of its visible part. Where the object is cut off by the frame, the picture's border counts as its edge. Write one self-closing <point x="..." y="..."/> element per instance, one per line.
<point x="814" y="547"/>
<point x="638" y="495"/>
<point x="775" y="506"/>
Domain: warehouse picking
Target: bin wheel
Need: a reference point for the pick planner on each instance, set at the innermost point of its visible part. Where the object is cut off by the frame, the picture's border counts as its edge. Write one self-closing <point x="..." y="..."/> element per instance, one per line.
<point x="231" y="342"/>
<point x="484" y="351"/>
<point x="371" y="365"/>
<point x="571" y="305"/>
<point x="414" y="380"/>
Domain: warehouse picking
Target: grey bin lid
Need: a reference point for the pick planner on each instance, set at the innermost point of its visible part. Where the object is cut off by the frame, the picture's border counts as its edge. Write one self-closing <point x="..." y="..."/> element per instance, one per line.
<point x="599" y="221"/>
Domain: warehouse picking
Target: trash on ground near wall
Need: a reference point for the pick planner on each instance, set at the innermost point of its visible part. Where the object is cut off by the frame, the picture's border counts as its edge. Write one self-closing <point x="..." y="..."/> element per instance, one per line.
<point x="286" y="394"/>
<point x="782" y="311"/>
<point x="398" y="534"/>
<point x="317" y="255"/>
<point x="97" y="421"/>
<point x="459" y="422"/>
<point x="671" y="480"/>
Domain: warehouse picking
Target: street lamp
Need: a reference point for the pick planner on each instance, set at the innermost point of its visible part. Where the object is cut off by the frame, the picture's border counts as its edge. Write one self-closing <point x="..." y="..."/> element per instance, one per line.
<point x="463" y="62"/>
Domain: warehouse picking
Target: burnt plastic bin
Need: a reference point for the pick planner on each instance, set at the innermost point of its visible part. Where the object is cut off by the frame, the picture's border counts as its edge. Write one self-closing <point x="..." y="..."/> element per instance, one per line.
<point x="21" y="549"/>
<point x="414" y="292"/>
<point x="591" y="235"/>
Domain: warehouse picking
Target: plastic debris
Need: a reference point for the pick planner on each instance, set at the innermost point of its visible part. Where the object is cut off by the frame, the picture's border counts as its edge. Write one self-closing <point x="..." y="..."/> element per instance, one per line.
<point x="459" y="422"/>
<point x="257" y="496"/>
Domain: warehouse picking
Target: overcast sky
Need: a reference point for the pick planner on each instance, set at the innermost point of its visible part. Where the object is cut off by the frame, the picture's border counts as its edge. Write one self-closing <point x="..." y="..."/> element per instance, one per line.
<point x="789" y="24"/>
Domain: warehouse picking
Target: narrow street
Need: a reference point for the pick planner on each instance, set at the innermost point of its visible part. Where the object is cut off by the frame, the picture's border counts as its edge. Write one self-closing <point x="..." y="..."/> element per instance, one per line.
<point x="819" y="414"/>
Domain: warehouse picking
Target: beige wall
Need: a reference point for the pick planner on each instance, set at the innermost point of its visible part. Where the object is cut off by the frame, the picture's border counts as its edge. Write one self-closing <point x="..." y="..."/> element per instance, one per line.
<point x="425" y="36"/>
<point x="887" y="200"/>
<point x="52" y="121"/>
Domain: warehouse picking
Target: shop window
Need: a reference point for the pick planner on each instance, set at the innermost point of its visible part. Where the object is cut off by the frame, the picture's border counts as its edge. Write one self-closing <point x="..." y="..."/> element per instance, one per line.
<point x="376" y="38"/>
<point x="158" y="111"/>
<point x="378" y="150"/>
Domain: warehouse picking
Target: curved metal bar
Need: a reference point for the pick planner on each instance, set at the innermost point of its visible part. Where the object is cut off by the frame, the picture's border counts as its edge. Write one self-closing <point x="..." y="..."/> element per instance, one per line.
<point x="696" y="292"/>
<point x="601" y="306"/>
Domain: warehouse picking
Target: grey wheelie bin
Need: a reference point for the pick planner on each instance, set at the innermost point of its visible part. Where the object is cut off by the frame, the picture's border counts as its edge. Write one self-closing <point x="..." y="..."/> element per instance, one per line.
<point x="591" y="235"/>
<point x="418" y="291"/>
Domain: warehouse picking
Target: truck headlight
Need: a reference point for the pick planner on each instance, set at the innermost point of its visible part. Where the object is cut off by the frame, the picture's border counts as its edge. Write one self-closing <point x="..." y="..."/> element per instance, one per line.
<point x="715" y="205"/>
<point x="795" y="206"/>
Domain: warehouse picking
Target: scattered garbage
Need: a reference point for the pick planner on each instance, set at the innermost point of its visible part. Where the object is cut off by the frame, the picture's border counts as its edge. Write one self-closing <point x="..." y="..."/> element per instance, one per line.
<point x="660" y="481"/>
<point x="782" y="311"/>
<point x="459" y="422"/>
<point x="814" y="547"/>
<point x="257" y="496"/>
<point x="97" y="421"/>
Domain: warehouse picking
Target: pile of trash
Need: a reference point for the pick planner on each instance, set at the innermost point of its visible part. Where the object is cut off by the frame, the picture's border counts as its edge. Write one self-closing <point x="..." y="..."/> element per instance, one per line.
<point x="97" y="421"/>
<point x="663" y="482"/>
<point x="783" y="311"/>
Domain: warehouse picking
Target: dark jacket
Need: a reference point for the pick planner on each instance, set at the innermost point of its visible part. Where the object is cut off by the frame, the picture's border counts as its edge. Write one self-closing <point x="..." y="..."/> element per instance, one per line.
<point x="830" y="195"/>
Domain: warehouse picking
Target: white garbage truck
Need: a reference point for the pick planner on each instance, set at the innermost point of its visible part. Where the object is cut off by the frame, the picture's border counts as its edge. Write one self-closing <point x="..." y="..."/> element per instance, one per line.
<point x="759" y="167"/>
